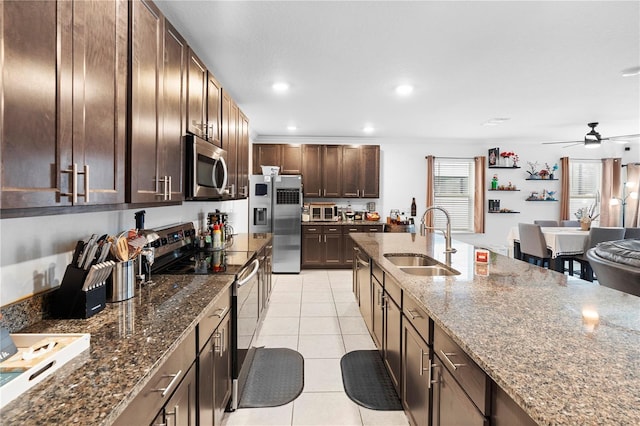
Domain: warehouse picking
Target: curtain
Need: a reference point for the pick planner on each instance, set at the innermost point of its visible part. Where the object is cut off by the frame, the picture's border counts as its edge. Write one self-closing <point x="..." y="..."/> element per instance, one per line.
<point x="565" y="189"/>
<point x="632" y="213"/>
<point x="611" y="186"/>
<point x="430" y="187"/>
<point x="478" y="204"/>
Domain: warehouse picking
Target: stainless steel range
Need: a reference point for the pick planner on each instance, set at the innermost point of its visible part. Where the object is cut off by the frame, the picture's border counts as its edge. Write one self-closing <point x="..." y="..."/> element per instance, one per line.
<point x="177" y="253"/>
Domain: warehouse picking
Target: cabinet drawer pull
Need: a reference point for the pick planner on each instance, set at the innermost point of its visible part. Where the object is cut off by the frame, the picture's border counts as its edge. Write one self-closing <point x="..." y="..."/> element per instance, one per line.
<point x="413" y="314"/>
<point x="219" y="313"/>
<point x="311" y="229"/>
<point x="173" y="381"/>
<point x="353" y="229"/>
<point x="333" y="229"/>
<point x="446" y="356"/>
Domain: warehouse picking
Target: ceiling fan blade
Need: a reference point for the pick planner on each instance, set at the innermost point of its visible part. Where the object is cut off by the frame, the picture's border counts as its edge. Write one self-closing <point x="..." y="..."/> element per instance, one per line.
<point x="622" y="138"/>
<point x="574" y="144"/>
<point x="571" y="142"/>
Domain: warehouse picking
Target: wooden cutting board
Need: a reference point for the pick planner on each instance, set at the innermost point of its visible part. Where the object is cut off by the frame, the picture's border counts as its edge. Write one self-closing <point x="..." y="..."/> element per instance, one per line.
<point x="17" y="363"/>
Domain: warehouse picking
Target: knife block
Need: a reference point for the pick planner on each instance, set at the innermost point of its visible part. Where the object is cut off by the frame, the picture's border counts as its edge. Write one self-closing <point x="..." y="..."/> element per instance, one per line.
<point x="70" y="301"/>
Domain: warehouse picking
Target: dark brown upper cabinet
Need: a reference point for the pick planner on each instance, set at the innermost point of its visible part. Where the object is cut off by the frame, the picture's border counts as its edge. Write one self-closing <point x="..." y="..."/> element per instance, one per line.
<point x="243" y="156"/>
<point x="197" y="95"/>
<point x="229" y="132"/>
<point x="158" y="106"/>
<point x="286" y="156"/>
<point x="64" y="113"/>
<point x="361" y="171"/>
<point x="214" y="111"/>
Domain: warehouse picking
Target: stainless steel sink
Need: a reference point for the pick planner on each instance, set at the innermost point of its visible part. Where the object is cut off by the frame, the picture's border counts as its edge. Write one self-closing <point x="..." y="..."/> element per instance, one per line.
<point x="419" y="264"/>
<point x="430" y="271"/>
<point x="407" y="259"/>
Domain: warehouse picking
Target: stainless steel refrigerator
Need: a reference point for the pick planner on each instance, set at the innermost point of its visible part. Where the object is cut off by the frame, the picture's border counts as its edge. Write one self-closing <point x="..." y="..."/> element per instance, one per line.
<point x="275" y="204"/>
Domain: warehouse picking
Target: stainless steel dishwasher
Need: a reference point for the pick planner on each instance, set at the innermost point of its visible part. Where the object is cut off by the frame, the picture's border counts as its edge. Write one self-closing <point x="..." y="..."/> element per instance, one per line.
<point x="245" y="305"/>
<point x="362" y="285"/>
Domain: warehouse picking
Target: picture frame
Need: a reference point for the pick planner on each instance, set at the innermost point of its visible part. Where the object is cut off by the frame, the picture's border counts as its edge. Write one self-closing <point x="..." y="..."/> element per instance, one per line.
<point x="494" y="156"/>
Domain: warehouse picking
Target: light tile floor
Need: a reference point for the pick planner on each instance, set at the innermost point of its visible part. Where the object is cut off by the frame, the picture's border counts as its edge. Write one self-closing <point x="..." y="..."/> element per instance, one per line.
<point x="316" y="314"/>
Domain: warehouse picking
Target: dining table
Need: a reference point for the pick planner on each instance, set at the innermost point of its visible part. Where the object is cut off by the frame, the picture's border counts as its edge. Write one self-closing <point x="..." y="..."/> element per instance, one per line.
<point x="563" y="242"/>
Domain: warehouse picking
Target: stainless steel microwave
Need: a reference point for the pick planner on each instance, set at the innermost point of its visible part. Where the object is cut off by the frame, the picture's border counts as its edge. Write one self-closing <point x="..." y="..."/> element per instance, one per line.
<point x="206" y="170"/>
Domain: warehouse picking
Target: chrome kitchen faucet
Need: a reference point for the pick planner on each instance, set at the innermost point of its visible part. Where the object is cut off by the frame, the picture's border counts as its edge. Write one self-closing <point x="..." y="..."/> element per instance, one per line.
<point x="446" y="233"/>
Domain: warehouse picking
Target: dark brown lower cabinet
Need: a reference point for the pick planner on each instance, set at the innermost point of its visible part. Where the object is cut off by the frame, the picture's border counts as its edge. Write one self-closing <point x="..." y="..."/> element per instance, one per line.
<point x="416" y="355"/>
<point x="180" y="409"/>
<point x="451" y="405"/>
<point x="505" y="412"/>
<point x="334" y="247"/>
<point x="392" y="339"/>
<point x="215" y="375"/>
<point x="321" y="246"/>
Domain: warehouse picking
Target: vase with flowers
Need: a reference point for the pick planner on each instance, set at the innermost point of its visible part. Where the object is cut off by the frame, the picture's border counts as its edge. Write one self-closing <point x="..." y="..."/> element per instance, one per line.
<point x="586" y="215"/>
<point x="508" y="159"/>
<point x="551" y="169"/>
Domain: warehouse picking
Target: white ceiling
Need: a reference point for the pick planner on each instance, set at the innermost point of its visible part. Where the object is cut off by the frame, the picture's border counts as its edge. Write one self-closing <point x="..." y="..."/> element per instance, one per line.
<point x="549" y="66"/>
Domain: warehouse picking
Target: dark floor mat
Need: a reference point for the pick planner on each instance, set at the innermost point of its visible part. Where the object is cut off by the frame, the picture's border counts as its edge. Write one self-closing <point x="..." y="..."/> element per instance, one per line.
<point x="276" y="377"/>
<point x="367" y="382"/>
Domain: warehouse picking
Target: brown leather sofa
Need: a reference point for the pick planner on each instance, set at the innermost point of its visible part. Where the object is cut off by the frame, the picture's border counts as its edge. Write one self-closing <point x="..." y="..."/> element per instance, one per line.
<point x="616" y="264"/>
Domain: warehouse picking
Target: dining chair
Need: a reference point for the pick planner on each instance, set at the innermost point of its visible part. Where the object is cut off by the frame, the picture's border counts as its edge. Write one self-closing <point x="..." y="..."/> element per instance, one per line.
<point x="546" y="222"/>
<point x="533" y="246"/>
<point x="631" y="233"/>
<point x="571" y="223"/>
<point x="596" y="235"/>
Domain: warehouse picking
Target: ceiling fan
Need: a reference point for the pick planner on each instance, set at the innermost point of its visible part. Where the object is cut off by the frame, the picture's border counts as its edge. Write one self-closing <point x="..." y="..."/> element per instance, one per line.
<point x="593" y="139"/>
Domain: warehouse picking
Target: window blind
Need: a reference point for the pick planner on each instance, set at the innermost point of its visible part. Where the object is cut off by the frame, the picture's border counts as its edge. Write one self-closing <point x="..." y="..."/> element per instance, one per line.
<point x="585" y="182"/>
<point x="453" y="190"/>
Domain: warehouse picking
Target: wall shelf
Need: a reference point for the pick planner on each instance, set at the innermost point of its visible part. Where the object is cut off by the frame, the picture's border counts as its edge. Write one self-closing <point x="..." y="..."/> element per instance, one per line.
<point x="504" y="190"/>
<point x="504" y="167"/>
<point x="541" y="180"/>
<point x="502" y="212"/>
<point x="543" y="200"/>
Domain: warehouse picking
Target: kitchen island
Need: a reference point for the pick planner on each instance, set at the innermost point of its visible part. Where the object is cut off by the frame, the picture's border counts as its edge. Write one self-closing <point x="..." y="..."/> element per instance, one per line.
<point x="565" y="350"/>
<point x="130" y="341"/>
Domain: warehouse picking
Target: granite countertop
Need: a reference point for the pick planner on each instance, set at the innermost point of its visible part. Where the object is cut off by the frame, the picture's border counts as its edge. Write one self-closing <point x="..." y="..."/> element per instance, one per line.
<point x="344" y="223"/>
<point x="529" y="329"/>
<point x="129" y="342"/>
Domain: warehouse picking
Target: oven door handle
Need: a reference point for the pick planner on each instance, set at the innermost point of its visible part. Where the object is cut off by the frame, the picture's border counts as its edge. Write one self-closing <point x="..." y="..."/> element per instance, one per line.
<point x="256" y="265"/>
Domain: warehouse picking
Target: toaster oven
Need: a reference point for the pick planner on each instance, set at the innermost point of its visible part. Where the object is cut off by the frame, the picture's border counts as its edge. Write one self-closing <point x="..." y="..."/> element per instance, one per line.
<point x="323" y="212"/>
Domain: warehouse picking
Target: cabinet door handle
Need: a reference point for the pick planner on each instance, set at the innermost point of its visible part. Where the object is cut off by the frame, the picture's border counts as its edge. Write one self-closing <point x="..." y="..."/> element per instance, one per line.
<point x="86" y="182"/>
<point x="222" y="343"/>
<point x="73" y="171"/>
<point x="325" y="238"/>
<point x="175" y="414"/>
<point x="358" y="193"/>
<point x="413" y="314"/>
<point x="431" y="381"/>
<point x="169" y="192"/>
<point x="325" y="192"/>
<point x="319" y="193"/>
<point x="319" y="238"/>
<point x="174" y="379"/>
<point x="446" y="356"/>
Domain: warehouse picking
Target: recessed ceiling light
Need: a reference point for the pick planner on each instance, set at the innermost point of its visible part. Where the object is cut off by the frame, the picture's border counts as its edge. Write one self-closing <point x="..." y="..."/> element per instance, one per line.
<point x="404" y="90"/>
<point x="495" y="121"/>
<point x="280" y="86"/>
<point x="368" y="129"/>
<point x="630" y="72"/>
<point x="291" y="128"/>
